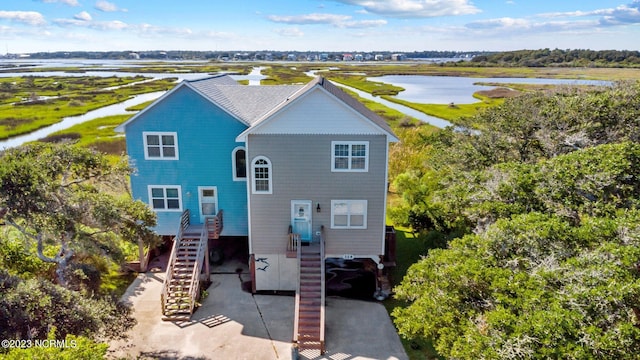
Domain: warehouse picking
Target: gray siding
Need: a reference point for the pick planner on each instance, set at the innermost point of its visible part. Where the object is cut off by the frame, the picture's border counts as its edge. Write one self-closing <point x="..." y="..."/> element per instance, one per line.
<point x="301" y="170"/>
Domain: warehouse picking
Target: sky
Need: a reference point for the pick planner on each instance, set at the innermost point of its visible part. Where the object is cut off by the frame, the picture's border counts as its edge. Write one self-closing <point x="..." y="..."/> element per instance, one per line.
<point x="28" y="26"/>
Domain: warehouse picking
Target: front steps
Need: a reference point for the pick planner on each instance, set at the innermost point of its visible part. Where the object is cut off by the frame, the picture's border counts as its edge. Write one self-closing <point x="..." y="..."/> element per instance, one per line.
<point x="178" y="301"/>
<point x="309" y="316"/>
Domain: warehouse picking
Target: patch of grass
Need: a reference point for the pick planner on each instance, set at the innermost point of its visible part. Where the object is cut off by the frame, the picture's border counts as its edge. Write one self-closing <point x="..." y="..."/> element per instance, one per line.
<point x="284" y="74"/>
<point x="394" y="118"/>
<point x="451" y="112"/>
<point x="98" y="134"/>
<point x="116" y="282"/>
<point x="140" y="106"/>
<point x="77" y="96"/>
<point x="372" y="87"/>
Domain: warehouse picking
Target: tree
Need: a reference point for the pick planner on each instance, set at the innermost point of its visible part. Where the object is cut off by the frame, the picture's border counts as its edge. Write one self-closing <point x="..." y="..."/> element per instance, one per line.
<point x="30" y="308"/>
<point x="533" y="286"/>
<point x="548" y="191"/>
<point x="68" y="200"/>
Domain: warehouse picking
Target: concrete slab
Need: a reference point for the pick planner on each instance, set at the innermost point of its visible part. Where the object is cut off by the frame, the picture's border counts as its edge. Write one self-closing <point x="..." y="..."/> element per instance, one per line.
<point x="232" y="323"/>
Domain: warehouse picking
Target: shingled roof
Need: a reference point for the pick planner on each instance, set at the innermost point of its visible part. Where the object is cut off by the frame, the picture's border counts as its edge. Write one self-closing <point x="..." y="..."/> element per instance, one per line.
<point x="254" y="104"/>
<point x="247" y="103"/>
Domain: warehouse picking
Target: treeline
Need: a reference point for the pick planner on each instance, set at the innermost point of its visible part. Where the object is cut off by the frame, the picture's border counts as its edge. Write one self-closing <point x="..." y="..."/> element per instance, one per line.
<point x="558" y="57"/>
<point x="543" y="199"/>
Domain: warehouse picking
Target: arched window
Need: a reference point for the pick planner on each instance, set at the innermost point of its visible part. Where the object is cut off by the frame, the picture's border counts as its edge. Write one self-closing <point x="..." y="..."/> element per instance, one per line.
<point x="262" y="176"/>
<point x="239" y="160"/>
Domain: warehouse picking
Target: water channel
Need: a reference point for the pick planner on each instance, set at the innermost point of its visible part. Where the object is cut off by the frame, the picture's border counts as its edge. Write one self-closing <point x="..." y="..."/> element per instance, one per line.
<point x="418" y="88"/>
<point x="253" y="77"/>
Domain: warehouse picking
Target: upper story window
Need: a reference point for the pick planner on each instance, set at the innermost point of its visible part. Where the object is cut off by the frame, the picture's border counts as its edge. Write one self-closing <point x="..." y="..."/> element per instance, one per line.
<point x="239" y="163"/>
<point x="160" y="145"/>
<point x="348" y="214"/>
<point x="262" y="176"/>
<point x="165" y="197"/>
<point x="350" y="156"/>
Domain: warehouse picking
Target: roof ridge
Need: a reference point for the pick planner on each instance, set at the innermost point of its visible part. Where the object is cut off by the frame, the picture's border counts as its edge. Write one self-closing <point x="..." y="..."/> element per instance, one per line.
<point x="211" y="77"/>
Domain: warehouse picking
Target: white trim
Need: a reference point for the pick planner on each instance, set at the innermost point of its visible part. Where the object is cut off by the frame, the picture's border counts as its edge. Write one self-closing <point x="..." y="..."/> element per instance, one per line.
<point x="164" y="197"/>
<point x="160" y="134"/>
<point x="349" y="156"/>
<point x="248" y="193"/>
<point x="348" y="214"/>
<point x="215" y="201"/>
<point x="269" y="177"/>
<point x="384" y="206"/>
<point x="234" y="165"/>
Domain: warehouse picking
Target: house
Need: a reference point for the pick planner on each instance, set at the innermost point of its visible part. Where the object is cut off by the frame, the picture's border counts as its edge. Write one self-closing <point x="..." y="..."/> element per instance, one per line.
<point x="300" y="171"/>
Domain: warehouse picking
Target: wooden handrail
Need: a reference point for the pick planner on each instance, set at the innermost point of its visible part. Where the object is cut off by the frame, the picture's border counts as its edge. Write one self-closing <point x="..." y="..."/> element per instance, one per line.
<point x="297" y="300"/>
<point x="184" y="223"/>
<point x="195" y="275"/>
<point x="322" y="287"/>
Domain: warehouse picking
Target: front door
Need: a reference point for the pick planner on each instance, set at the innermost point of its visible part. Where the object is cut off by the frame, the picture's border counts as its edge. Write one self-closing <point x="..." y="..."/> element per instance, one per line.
<point x="301" y="218"/>
<point x="208" y="196"/>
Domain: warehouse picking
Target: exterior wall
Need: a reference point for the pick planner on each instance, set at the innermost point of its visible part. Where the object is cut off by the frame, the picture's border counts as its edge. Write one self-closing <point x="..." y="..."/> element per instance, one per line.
<point x="206" y="138"/>
<point x="301" y="170"/>
<point x="276" y="272"/>
<point x="318" y="113"/>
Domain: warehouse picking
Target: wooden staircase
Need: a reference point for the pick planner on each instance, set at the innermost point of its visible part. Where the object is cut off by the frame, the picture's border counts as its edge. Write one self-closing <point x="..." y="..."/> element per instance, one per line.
<point x="189" y="256"/>
<point x="309" y="307"/>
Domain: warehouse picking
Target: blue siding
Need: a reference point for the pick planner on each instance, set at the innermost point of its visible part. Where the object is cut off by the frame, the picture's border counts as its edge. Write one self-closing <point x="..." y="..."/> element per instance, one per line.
<point x="206" y="138"/>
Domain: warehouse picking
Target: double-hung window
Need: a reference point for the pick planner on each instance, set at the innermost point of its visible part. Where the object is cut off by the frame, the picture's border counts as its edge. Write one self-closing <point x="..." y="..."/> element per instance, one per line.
<point x="165" y="197"/>
<point x="262" y="176"/>
<point x="160" y="145"/>
<point x="350" y="156"/>
<point x="348" y="214"/>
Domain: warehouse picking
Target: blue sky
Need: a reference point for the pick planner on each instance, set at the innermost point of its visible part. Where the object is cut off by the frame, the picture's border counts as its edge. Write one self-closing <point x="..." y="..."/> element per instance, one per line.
<point x="330" y="25"/>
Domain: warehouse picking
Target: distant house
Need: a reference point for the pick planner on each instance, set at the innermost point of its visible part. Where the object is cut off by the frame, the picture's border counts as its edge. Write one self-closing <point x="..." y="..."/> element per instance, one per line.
<point x="297" y="169"/>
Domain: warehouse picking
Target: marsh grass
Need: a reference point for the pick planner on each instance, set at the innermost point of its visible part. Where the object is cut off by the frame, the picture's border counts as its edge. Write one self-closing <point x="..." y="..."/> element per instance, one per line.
<point x="284" y="74"/>
<point x="76" y="96"/>
<point x="361" y="83"/>
<point x="98" y="134"/>
<point x="452" y="111"/>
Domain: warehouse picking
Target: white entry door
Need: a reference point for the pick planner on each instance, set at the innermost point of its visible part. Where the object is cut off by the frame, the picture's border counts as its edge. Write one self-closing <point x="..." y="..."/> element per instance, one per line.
<point x="301" y="218"/>
<point x="208" y="196"/>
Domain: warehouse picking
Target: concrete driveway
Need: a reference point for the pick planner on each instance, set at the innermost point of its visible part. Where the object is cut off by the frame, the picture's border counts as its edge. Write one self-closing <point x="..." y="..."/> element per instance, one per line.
<point x="232" y="323"/>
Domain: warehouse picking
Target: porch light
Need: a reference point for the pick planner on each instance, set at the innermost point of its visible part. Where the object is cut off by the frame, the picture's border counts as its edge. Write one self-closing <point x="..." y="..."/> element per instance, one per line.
<point x="318" y="208"/>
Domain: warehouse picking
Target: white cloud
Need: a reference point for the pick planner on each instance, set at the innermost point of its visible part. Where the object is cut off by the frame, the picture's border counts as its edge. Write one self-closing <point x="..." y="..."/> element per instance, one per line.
<point x="362" y="24"/>
<point x="307" y="19"/>
<point x="415" y="8"/>
<point x="26" y="17"/>
<point x="623" y="14"/>
<point x="83" y="16"/>
<point x="289" y="32"/>
<point x="107" y="6"/>
<point x="68" y="2"/>
<point x="110" y="25"/>
<point x="340" y="21"/>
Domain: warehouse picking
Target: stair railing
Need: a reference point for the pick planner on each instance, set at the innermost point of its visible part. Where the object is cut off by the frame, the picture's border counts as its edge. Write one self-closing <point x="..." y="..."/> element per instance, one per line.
<point x="194" y="290"/>
<point x="184" y="223"/>
<point x="296" y="320"/>
<point x="322" y="287"/>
